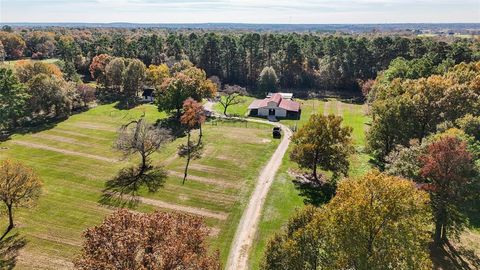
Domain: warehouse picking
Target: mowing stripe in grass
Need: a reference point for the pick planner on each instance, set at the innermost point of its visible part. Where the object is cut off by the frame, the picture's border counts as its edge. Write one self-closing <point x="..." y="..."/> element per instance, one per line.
<point x="205" y="180"/>
<point x="64" y="151"/>
<point x="89" y="125"/>
<point x="78" y="134"/>
<point x="186" y="209"/>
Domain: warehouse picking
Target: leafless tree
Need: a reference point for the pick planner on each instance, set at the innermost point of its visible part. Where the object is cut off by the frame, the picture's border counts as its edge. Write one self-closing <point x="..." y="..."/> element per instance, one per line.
<point x="232" y="94"/>
<point x="142" y="138"/>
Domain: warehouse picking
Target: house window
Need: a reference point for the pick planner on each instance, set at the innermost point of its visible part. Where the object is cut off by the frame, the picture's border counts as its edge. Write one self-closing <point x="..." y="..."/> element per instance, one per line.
<point x="271" y="112"/>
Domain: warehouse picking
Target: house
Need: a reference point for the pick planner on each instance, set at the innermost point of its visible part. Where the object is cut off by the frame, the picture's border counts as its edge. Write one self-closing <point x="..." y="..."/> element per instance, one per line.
<point x="148" y="94"/>
<point x="279" y="105"/>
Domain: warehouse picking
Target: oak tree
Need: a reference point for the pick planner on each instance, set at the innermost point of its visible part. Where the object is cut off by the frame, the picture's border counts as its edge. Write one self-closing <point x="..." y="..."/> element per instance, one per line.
<point x="160" y="240"/>
<point x="448" y="167"/>
<point x="323" y="142"/>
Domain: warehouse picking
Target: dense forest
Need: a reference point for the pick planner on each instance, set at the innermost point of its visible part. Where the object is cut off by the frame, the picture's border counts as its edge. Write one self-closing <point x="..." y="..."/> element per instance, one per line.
<point x="303" y="62"/>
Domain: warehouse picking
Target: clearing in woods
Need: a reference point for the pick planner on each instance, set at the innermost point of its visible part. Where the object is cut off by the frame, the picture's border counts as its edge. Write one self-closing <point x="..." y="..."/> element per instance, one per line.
<point x="75" y="157"/>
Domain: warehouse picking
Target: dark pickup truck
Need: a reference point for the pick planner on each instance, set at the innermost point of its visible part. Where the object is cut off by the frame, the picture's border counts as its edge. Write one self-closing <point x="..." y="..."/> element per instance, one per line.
<point x="277" y="132"/>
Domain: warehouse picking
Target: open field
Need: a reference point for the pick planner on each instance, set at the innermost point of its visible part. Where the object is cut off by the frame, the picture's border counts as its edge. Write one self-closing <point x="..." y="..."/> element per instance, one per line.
<point x="284" y="197"/>
<point x="75" y="157"/>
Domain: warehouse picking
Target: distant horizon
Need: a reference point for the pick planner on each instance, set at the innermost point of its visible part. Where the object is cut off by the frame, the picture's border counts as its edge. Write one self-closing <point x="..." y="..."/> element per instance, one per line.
<point x="240" y="23"/>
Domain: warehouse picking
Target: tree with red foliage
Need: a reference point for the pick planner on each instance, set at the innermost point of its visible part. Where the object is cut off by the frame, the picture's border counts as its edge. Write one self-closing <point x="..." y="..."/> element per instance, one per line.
<point x="448" y="167"/>
<point x="159" y="241"/>
<point x="193" y="116"/>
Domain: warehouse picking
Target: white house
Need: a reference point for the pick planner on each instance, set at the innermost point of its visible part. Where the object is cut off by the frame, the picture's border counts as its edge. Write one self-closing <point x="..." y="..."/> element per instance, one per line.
<point x="279" y="105"/>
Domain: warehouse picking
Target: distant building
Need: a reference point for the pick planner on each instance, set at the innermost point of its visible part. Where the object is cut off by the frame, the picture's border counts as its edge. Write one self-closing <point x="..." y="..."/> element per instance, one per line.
<point x="148" y="94"/>
<point x="279" y="105"/>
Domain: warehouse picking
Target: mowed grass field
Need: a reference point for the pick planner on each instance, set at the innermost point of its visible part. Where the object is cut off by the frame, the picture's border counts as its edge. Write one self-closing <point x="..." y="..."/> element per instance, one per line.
<point x="284" y="198"/>
<point x="75" y="157"/>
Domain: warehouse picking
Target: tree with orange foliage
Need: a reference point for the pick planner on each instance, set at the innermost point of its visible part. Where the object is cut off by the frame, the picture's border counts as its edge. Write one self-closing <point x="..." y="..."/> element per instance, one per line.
<point x="449" y="168"/>
<point x="193" y="117"/>
<point x="27" y="69"/>
<point x="160" y="241"/>
<point x="97" y="67"/>
<point x="19" y="186"/>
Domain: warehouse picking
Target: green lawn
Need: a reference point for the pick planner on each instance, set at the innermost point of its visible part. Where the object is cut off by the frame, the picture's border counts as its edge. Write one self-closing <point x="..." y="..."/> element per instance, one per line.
<point x="75" y="157"/>
<point x="240" y="109"/>
<point x="284" y="198"/>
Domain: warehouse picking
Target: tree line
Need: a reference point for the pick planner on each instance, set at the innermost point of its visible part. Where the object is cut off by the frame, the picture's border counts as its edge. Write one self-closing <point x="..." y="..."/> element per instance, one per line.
<point x="301" y="61"/>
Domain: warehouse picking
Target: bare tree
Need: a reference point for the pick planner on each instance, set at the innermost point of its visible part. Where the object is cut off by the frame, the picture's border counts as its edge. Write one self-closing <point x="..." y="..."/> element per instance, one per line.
<point x="19" y="186"/>
<point x="142" y="138"/>
<point x="232" y="94"/>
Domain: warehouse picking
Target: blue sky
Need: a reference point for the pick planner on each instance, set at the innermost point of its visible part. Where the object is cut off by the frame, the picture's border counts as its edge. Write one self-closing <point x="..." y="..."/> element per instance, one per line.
<point x="242" y="11"/>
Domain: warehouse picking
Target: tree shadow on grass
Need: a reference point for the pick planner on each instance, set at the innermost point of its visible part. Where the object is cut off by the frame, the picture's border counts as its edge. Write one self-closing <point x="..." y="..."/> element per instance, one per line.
<point x="448" y="256"/>
<point x="9" y="249"/>
<point x="123" y="190"/>
<point x="31" y="127"/>
<point x="315" y="192"/>
<point x="172" y="123"/>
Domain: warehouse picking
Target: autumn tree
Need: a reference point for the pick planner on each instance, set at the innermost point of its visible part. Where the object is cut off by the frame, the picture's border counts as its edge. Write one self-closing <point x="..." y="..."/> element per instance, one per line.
<point x="191" y="82"/>
<point x="85" y="94"/>
<point x="13" y="44"/>
<point x="13" y="97"/>
<point x="98" y="66"/>
<point x="231" y="95"/>
<point x="114" y="73"/>
<point x="448" y="167"/>
<point x="133" y="80"/>
<point x="26" y="70"/>
<point x="470" y="125"/>
<point x="155" y="75"/>
<point x="323" y="142"/>
<point x="40" y="44"/>
<point x="160" y="240"/>
<point x="50" y="95"/>
<point x="373" y="222"/>
<point x="267" y="81"/>
<point x="19" y="187"/>
<point x="2" y="53"/>
<point x="413" y="109"/>
<point x="193" y="117"/>
<point x="142" y="138"/>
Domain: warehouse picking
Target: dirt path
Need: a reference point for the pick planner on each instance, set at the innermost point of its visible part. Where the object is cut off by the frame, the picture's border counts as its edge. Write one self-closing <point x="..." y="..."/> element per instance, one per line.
<point x="64" y="151"/>
<point x="247" y="228"/>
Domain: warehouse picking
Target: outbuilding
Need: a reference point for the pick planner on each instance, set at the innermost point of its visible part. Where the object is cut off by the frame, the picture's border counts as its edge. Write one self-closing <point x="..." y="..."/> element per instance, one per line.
<point x="279" y="105"/>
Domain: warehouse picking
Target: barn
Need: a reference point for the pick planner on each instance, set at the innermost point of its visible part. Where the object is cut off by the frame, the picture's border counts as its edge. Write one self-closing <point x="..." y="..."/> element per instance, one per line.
<point x="278" y="105"/>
